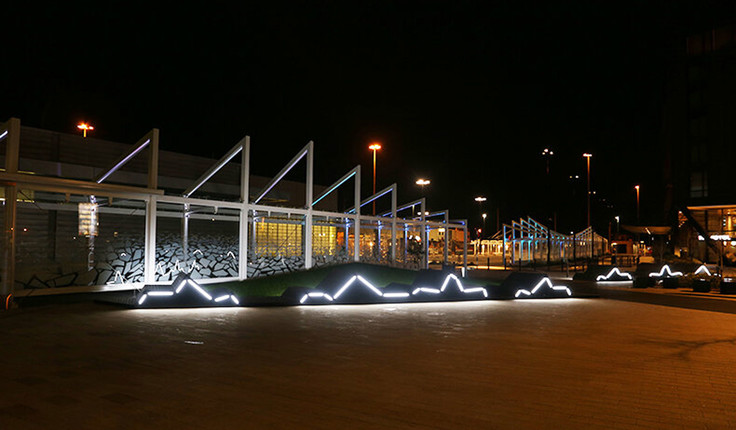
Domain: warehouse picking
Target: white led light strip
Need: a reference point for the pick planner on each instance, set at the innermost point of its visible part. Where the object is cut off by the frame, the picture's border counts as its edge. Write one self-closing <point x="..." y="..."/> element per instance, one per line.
<point x="702" y="268"/>
<point x="350" y="282"/>
<point x="664" y="268"/>
<point x="196" y="287"/>
<point x="611" y="273"/>
<point x="542" y="283"/>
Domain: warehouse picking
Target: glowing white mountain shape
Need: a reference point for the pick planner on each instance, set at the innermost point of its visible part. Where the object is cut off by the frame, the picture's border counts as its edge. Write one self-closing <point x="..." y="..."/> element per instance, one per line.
<point x="611" y="273"/>
<point x="664" y="268"/>
<point x="701" y="269"/>
<point x="544" y="281"/>
<point x="356" y="279"/>
<point x="180" y="287"/>
<point x="444" y="287"/>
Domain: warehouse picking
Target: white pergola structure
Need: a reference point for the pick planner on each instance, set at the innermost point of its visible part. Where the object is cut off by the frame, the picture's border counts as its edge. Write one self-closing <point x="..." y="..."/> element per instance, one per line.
<point x="246" y="212"/>
<point x="530" y="241"/>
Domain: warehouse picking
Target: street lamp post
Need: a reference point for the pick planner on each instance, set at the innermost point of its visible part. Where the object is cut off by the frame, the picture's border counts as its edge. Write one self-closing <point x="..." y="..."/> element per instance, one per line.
<point x="587" y="157"/>
<point x="547" y="153"/>
<point x="480" y="200"/>
<point x="618" y="220"/>
<point x="375" y="146"/>
<point x="637" y="204"/>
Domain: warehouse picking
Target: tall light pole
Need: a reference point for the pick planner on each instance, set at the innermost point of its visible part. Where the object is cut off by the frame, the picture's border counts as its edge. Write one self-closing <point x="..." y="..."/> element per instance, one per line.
<point x="618" y="220"/>
<point x="375" y="146"/>
<point x="480" y="200"/>
<point x="587" y="157"/>
<point x="637" y="203"/>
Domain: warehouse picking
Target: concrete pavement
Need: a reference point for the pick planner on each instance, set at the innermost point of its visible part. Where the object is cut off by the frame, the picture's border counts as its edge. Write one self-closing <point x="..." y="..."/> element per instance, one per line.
<point x="576" y="363"/>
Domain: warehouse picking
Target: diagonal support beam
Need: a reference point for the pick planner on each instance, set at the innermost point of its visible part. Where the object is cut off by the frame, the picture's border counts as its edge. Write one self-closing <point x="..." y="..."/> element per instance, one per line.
<point x="337" y="184"/>
<point x="378" y="195"/>
<point x="120" y="162"/>
<point x="406" y="206"/>
<point x="235" y="150"/>
<point x="284" y="171"/>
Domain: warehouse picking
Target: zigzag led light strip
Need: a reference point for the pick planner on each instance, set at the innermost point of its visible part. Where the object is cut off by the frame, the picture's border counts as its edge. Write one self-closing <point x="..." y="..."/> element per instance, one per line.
<point x="459" y="286"/>
<point x="194" y="285"/>
<point x="539" y="285"/>
<point x="379" y="293"/>
<point x="703" y="268"/>
<point x="611" y="273"/>
<point x="662" y="270"/>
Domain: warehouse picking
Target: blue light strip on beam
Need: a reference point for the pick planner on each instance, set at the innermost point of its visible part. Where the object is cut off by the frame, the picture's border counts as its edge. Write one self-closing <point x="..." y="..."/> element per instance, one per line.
<point x="375" y="197"/>
<point x="333" y="188"/>
<point x="214" y="169"/>
<point x="2" y="136"/>
<point x="283" y="173"/>
<point x="122" y="162"/>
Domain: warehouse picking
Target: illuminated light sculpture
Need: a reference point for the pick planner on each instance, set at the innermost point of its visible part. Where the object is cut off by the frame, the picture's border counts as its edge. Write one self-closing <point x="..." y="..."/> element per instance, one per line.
<point x="702" y="269"/>
<point x="540" y="284"/>
<point x="323" y="297"/>
<point x="615" y="271"/>
<point x="661" y="273"/>
<point x="178" y="295"/>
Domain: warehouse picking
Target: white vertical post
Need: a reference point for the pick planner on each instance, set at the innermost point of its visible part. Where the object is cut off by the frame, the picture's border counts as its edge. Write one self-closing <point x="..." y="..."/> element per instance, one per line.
<point x="425" y="236"/>
<point x="393" y="225"/>
<point x="153" y="160"/>
<point x="149" y="265"/>
<point x="12" y="151"/>
<point x="243" y="221"/>
<point x="185" y="233"/>
<point x="406" y="240"/>
<point x="356" y="223"/>
<point x="465" y="246"/>
<point x="308" y="218"/>
<point x="447" y="235"/>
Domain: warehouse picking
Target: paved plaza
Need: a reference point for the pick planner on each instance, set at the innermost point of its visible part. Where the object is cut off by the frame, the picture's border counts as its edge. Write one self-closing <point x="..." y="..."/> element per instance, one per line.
<point x="576" y="363"/>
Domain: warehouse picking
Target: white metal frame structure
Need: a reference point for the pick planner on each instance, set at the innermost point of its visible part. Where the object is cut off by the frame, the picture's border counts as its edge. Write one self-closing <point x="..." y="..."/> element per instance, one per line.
<point x="159" y="204"/>
<point x="530" y="241"/>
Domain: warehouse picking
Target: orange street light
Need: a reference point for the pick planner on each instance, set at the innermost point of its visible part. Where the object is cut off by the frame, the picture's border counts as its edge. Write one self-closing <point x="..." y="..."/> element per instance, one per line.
<point x="375" y="146"/>
<point x="422" y="183"/>
<point x="84" y="127"/>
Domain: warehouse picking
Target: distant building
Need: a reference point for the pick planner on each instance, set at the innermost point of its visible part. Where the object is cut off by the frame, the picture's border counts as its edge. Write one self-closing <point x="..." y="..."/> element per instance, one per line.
<point x="699" y="133"/>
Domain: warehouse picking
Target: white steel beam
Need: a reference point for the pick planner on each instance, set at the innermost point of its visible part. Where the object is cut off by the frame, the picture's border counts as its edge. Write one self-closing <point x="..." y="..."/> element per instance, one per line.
<point x="284" y="171"/>
<point x="153" y="160"/>
<point x="11" y="132"/>
<point x="337" y="184"/>
<point x="120" y="162"/>
<point x="376" y="196"/>
<point x="356" y="232"/>
<point x="149" y="255"/>
<point x="308" y="205"/>
<point x="216" y="167"/>
<point x="244" y="197"/>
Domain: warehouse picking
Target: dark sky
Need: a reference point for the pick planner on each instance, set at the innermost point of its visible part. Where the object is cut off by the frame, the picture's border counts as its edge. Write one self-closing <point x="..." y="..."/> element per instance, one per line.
<point x="467" y="94"/>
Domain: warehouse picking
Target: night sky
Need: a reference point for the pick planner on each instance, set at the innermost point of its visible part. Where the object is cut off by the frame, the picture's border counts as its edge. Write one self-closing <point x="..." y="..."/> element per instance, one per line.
<point x="467" y="94"/>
